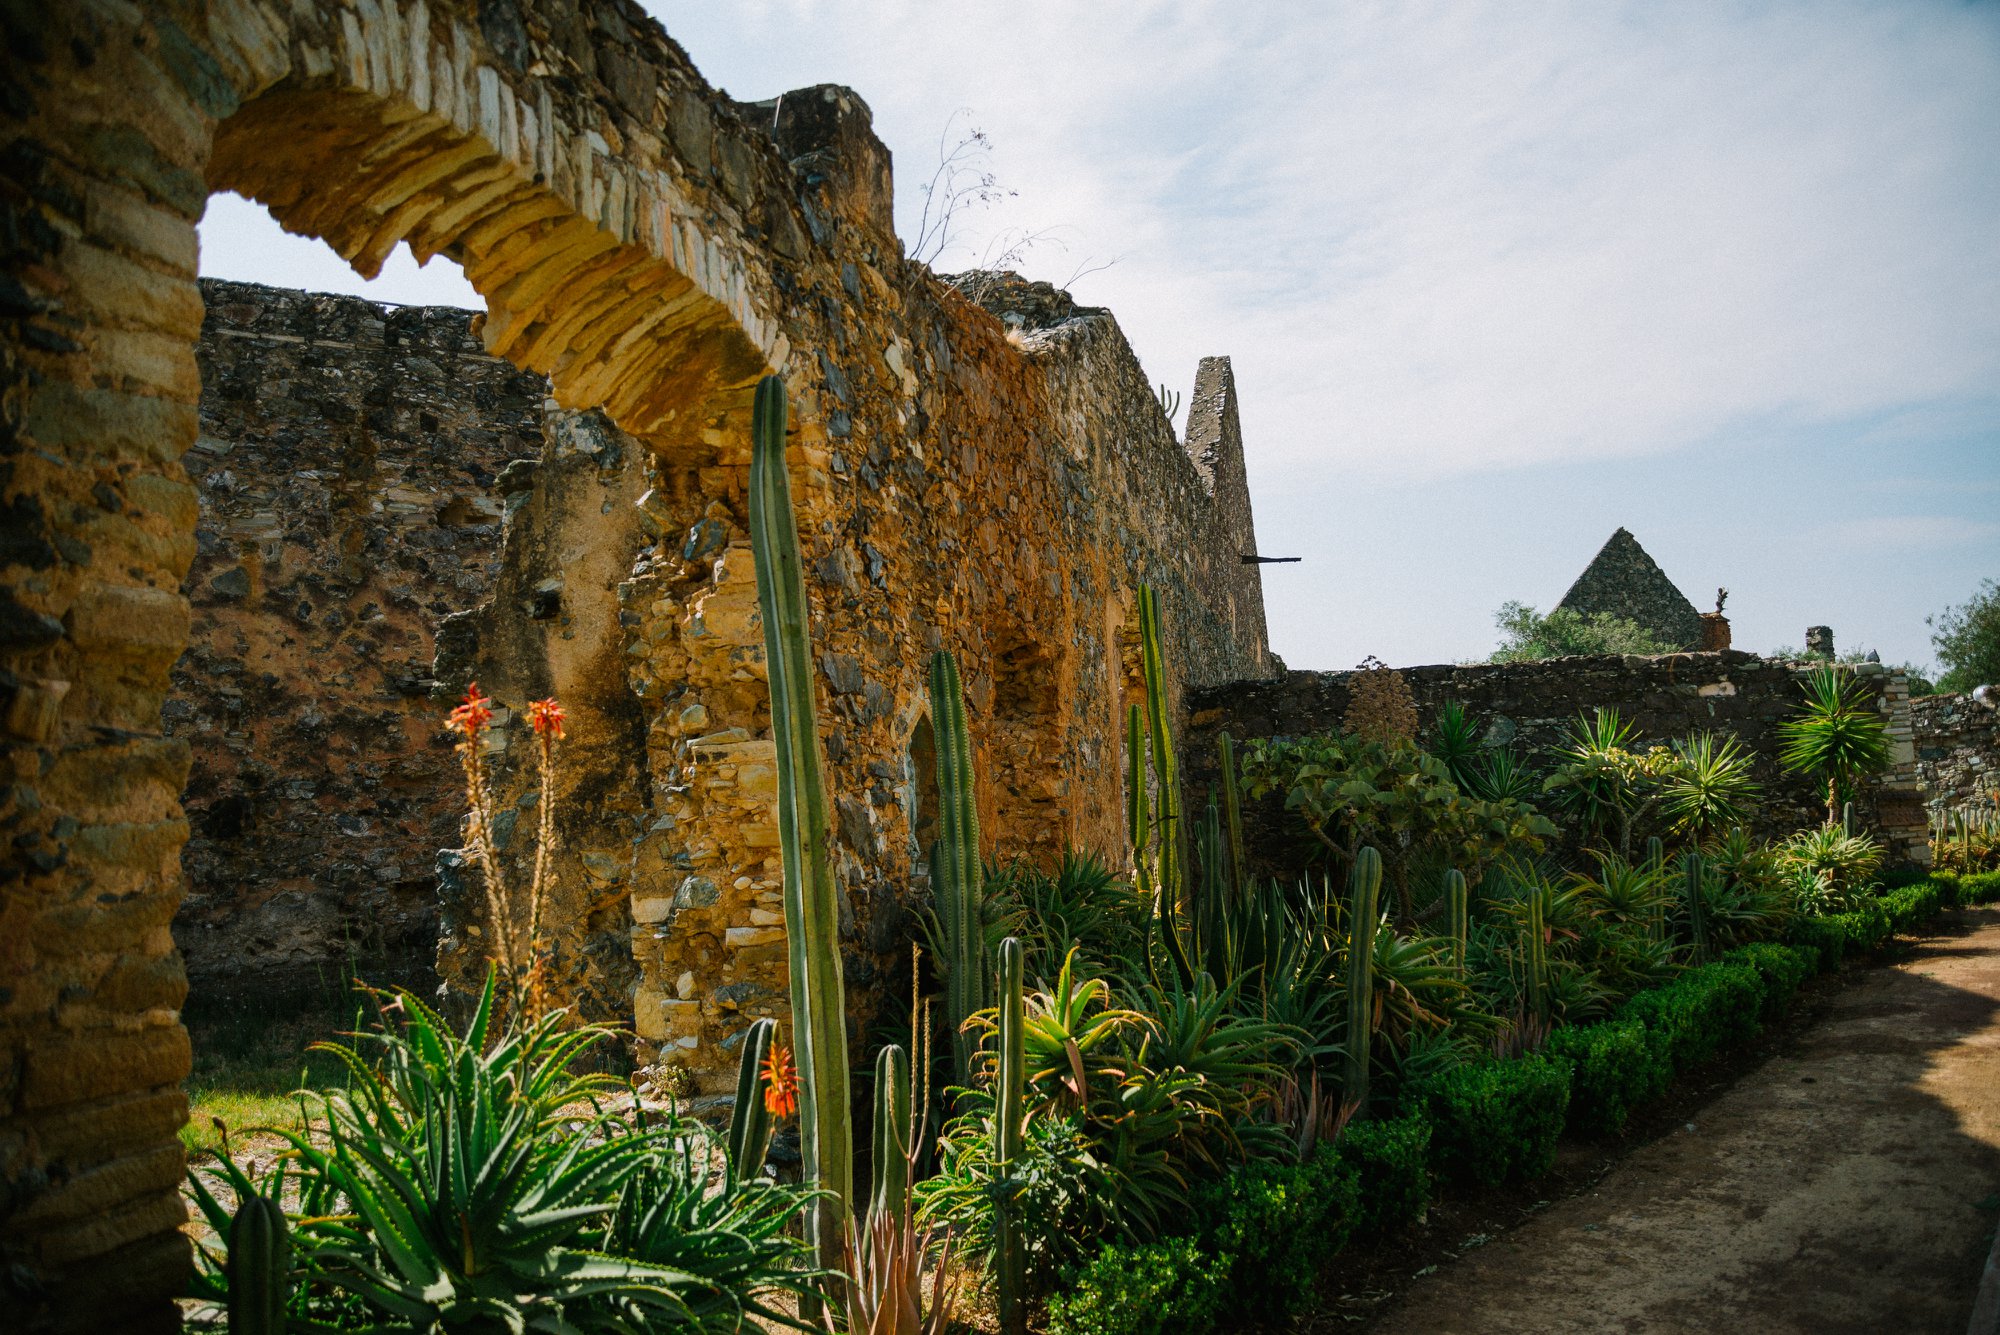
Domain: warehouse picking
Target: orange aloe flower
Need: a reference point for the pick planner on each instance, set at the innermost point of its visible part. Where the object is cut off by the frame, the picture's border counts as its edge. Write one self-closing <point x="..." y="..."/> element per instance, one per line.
<point x="474" y="713"/>
<point x="781" y="1083"/>
<point x="546" y="718"/>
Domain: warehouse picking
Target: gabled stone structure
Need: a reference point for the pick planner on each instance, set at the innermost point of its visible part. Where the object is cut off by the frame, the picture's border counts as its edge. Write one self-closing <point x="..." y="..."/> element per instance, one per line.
<point x="993" y="477"/>
<point x="1624" y="581"/>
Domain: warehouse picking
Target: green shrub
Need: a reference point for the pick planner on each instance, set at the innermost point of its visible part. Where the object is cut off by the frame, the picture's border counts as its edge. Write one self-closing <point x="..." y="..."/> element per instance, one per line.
<point x="1979" y="887"/>
<point x="1837" y="935"/>
<point x="1615" y="1068"/>
<point x="1257" y="1240"/>
<point x="1783" y="969"/>
<point x="1496" y="1122"/>
<point x="1703" y="1011"/>
<point x="1912" y="906"/>
<point x="1391" y="1162"/>
<point x="1151" y="1289"/>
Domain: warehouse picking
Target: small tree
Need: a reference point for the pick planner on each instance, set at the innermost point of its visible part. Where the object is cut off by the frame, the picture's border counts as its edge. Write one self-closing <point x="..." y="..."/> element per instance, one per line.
<point x="1967" y="639"/>
<point x="1526" y="634"/>
<point x="1838" y="736"/>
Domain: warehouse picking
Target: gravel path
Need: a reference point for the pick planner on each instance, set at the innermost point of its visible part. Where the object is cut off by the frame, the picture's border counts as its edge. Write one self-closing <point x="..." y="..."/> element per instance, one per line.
<point x="1850" y="1184"/>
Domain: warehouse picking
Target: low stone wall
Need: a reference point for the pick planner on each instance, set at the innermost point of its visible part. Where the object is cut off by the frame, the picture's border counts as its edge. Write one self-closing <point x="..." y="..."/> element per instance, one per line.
<point x="1958" y="752"/>
<point x="1530" y="705"/>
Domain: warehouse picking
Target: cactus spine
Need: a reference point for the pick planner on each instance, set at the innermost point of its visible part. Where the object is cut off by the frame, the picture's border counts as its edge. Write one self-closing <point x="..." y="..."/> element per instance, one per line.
<point x="1538" y="953"/>
<point x="1010" y="1122"/>
<point x="812" y="912"/>
<point x="890" y="1198"/>
<point x="750" y="1120"/>
<point x="956" y="877"/>
<point x="259" y="1267"/>
<point x="1364" y="883"/>
<point x="1458" y="899"/>
<point x="1697" y="907"/>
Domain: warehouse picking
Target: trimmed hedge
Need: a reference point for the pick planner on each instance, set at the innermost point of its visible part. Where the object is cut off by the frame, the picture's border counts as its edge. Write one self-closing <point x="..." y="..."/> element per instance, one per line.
<point x="1258" y="1240"/>
<point x="1967" y="888"/>
<point x="1701" y="1012"/>
<point x="1392" y="1167"/>
<point x="1783" y="968"/>
<point x="1615" y="1068"/>
<point x="1495" y="1122"/>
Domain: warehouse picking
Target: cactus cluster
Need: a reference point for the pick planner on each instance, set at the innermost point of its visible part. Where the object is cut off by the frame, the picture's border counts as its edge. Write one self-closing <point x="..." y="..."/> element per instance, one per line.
<point x="812" y="914"/>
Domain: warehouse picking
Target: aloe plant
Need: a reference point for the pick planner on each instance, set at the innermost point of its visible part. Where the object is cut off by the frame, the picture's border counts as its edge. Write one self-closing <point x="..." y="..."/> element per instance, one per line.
<point x="1010" y="1122"/>
<point x="890" y="1196"/>
<point x="259" y="1267"/>
<point x="956" y="875"/>
<point x="812" y="911"/>
<point x="1364" y="884"/>
<point x="750" y="1119"/>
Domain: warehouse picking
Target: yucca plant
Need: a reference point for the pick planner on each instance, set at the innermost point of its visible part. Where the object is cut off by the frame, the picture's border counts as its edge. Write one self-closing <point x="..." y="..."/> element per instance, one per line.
<point x="1837" y="735"/>
<point x="1710" y="788"/>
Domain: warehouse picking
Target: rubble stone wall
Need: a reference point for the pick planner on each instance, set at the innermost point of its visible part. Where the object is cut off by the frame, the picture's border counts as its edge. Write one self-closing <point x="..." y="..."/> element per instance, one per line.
<point x="1958" y="752"/>
<point x="986" y="472"/>
<point x="1530" y="705"/>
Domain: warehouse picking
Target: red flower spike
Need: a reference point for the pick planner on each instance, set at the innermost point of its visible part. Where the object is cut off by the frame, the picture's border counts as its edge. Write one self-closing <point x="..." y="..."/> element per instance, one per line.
<point x="781" y="1083"/>
<point x="474" y="713"/>
<point x="546" y="718"/>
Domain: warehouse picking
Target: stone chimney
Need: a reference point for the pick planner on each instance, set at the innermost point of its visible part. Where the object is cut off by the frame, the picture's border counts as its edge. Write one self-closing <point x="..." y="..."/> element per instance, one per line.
<point x="1819" y="641"/>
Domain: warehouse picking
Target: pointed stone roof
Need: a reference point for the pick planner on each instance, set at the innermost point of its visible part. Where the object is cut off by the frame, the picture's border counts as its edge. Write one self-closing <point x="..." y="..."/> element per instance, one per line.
<point x="1626" y="582"/>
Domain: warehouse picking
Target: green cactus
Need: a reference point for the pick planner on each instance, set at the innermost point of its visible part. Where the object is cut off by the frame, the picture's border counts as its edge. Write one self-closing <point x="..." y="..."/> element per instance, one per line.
<point x="1656" y="859"/>
<point x="1847" y="819"/>
<point x="1162" y="823"/>
<point x="750" y="1120"/>
<point x="258" y="1267"/>
<point x="812" y="906"/>
<point x="1364" y="884"/>
<point x="1232" y="813"/>
<point x="1537" y="962"/>
<point x="890" y="1196"/>
<point x="1009" y="1125"/>
<point x="957" y="883"/>
<point x="1458" y="900"/>
<point x="1697" y="904"/>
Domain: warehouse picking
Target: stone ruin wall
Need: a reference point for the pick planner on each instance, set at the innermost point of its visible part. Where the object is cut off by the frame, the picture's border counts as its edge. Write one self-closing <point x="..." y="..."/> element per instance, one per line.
<point x="349" y="474"/>
<point x="1530" y="705"/>
<point x="991" y="483"/>
<point x="1958" y="753"/>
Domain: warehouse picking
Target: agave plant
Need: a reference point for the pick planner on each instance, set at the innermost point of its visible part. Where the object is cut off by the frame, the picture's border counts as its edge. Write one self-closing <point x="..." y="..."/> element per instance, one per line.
<point x="475" y="1182"/>
<point x="1836" y="736"/>
<point x="1830" y="868"/>
<point x="1709" y="788"/>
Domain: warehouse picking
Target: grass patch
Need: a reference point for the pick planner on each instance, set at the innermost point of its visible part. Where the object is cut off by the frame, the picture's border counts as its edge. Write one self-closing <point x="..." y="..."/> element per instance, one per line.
<point x="251" y="1058"/>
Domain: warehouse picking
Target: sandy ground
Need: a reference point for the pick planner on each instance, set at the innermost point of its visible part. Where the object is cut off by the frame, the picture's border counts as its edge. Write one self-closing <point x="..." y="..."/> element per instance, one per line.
<point x="1848" y="1184"/>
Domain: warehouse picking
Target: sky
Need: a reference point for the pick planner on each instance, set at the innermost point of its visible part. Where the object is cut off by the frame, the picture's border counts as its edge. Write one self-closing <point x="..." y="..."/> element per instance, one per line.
<point x="1496" y="279"/>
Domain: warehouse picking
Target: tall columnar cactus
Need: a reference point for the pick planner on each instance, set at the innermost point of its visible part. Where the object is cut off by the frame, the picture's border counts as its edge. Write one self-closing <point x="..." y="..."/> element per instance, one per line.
<point x="890" y="1196"/>
<point x="956" y="876"/>
<point x="1537" y="962"/>
<point x="1847" y="819"/>
<point x="258" y="1267"/>
<point x="1166" y="773"/>
<point x="1458" y="902"/>
<point x="750" y="1120"/>
<point x="1697" y="904"/>
<point x="1656" y="863"/>
<point x="1232" y="814"/>
<point x="1009" y="1126"/>
<point x="812" y="910"/>
<point x="1364" y="884"/>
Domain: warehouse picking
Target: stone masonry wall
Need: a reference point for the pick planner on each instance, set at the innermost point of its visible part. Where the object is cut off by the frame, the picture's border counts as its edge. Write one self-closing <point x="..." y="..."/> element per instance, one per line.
<point x="964" y="479"/>
<point x="1530" y="705"/>
<point x="1958" y="752"/>
<point x="348" y="473"/>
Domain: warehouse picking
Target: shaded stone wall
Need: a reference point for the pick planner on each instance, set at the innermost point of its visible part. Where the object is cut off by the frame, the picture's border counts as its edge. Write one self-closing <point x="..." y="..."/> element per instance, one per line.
<point x="348" y="469"/>
<point x="652" y="248"/>
<point x="1958" y="752"/>
<point x="1530" y="706"/>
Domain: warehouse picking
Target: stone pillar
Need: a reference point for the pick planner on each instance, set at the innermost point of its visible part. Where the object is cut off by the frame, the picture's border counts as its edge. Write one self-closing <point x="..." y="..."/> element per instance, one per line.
<point x="1819" y="641"/>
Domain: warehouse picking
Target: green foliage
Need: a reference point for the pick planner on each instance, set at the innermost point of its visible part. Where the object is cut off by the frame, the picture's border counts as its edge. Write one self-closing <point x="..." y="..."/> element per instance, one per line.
<point x="1967" y="639"/>
<point x="1708" y="788"/>
<point x="1009" y="1121"/>
<point x="1701" y="1012"/>
<point x="1391" y="1159"/>
<point x="812" y="901"/>
<point x="1837" y="735"/>
<point x="1831" y="870"/>
<point x="1157" y="1288"/>
<point x="1527" y="635"/>
<point x="889" y="1196"/>
<point x="1496" y="1122"/>
<point x="1783" y="969"/>
<point x="1079" y="911"/>
<point x="1616" y="1068"/>
<point x="1363" y="882"/>
<point x="475" y="1183"/>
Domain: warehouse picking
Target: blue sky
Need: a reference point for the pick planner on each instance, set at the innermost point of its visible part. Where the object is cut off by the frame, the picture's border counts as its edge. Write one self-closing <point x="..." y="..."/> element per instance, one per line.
<point x="1496" y="279"/>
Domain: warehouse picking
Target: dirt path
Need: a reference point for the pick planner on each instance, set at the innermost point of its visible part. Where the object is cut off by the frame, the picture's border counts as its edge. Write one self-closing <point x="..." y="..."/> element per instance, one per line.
<point x="1849" y="1184"/>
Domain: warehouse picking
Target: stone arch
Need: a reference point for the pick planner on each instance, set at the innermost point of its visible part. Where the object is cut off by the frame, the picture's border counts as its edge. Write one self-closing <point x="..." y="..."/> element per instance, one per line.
<point x="619" y="273"/>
